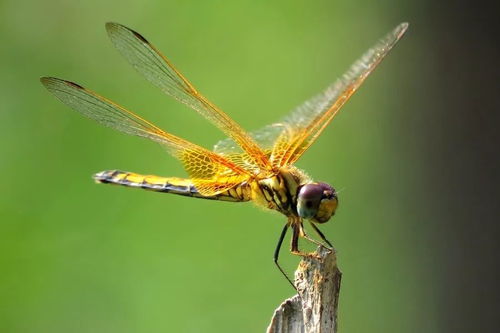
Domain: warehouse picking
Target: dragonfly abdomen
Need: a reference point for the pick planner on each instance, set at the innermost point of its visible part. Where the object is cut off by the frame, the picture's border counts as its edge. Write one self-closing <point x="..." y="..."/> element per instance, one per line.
<point x="174" y="185"/>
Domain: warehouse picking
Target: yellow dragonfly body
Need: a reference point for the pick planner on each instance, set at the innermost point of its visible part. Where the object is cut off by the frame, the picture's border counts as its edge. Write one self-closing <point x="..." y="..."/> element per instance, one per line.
<point x="256" y="166"/>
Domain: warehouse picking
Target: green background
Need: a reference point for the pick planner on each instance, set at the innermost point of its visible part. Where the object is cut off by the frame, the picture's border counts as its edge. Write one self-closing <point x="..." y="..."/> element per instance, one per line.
<point x="81" y="257"/>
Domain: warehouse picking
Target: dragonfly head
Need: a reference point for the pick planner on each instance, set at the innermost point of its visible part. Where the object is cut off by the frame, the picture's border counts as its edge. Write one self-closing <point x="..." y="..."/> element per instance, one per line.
<point x="317" y="202"/>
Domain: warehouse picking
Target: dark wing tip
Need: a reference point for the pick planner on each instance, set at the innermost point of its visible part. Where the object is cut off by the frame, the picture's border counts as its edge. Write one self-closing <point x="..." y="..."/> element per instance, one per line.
<point x="49" y="82"/>
<point x="139" y="36"/>
<point x="76" y="85"/>
<point x="113" y="28"/>
<point x="110" y="25"/>
<point x="45" y="80"/>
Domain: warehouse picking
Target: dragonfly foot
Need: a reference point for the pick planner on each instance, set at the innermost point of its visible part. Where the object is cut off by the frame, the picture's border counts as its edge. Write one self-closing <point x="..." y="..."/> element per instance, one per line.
<point x="306" y="254"/>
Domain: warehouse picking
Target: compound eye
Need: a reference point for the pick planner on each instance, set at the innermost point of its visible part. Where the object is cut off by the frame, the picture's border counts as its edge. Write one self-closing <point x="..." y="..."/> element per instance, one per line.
<point x="317" y="201"/>
<point x="308" y="200"/>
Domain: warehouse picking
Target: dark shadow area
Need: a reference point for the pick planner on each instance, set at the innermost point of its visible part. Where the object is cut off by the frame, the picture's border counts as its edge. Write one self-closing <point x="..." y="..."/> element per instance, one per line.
<point x="461" y="137"/>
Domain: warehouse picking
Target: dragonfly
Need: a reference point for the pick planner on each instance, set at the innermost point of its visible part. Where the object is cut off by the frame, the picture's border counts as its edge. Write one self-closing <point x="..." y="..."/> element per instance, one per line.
<point x="253" y="166"/>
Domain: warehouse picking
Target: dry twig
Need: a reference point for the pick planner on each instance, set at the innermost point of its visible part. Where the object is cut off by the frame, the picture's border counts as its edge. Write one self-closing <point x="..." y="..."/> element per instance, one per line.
<point x="314" y="309"/>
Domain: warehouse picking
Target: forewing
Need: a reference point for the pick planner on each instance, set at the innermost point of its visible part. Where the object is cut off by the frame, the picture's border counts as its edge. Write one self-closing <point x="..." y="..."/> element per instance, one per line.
<point x="213" y="172"/>
<point x="305" y="124"/>
<point x="148" y="61"/>
<point x="285" y="141"/>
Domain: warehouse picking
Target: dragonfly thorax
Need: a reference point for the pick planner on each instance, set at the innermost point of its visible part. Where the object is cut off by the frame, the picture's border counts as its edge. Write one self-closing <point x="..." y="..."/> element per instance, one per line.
<point x="292" y="193"/>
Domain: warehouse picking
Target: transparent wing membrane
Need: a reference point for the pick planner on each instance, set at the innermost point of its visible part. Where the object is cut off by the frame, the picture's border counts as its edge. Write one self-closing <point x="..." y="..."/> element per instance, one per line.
<point x="211" y="172"/>
<point x="265" y="138"/>
<point x="314" y="115"/>
<point x="157" y="69"/>
<point x="285" y="141"/>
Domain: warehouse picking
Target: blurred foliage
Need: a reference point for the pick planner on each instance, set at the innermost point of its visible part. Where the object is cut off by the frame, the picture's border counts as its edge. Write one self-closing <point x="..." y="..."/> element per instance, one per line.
<point x="78" y="257"/>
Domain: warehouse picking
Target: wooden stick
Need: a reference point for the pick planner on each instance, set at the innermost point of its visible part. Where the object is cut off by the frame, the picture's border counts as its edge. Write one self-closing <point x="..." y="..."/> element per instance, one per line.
<point x="314" y="309"/>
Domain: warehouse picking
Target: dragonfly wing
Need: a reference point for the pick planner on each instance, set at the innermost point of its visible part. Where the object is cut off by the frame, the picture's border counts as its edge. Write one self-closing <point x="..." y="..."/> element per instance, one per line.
<point x="265" y="138"/>
<point x="214" y="172"/>
<point x="157" y="69"/>
<point x="305" y="124"/>
<point x="286" y="140"/>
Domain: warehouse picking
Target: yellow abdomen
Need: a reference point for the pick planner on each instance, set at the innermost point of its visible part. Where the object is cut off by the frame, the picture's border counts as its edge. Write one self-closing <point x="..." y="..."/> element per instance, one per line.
<point x="180" y="186"/>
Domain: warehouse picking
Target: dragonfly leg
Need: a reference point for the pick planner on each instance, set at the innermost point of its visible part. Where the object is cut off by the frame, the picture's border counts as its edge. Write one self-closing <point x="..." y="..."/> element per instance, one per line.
<point x="320" y="234"/>
<point x="277" y="253"/>
<point x="298" y="231"/>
